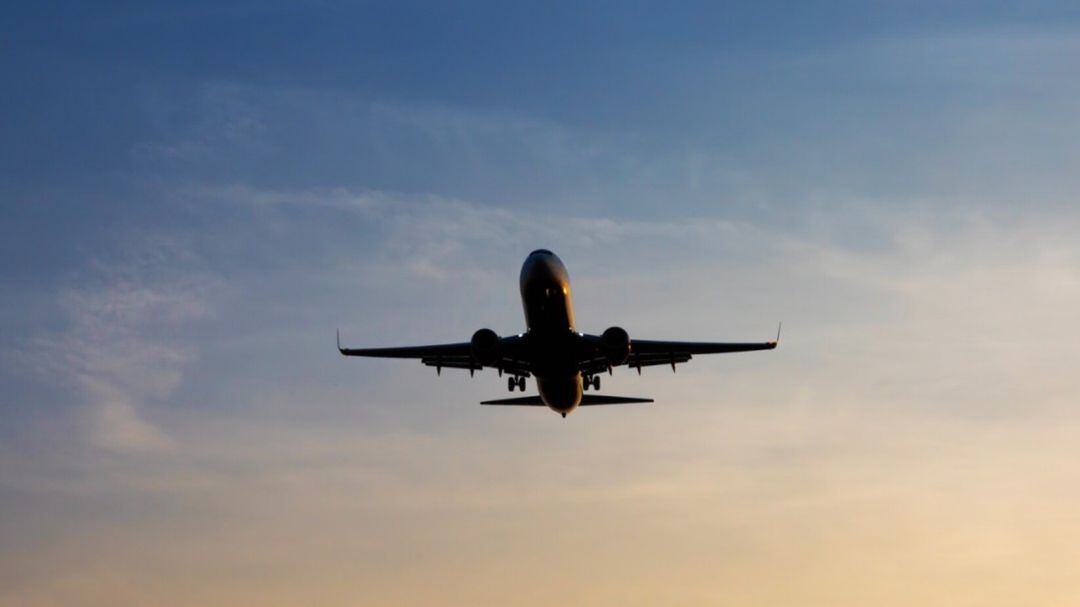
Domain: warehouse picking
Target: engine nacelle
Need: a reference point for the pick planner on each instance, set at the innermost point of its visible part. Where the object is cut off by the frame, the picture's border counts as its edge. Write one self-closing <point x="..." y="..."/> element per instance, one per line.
<point x="615" y="343"/>
<point x="485" y="346"/>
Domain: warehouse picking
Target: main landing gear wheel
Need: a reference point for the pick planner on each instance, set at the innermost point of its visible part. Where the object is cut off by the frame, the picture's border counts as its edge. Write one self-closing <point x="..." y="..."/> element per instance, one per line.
<point x="596" y="382"/>
<point x="511" y="383"/>
<point x="590" y="381"/>
<point x="521" y="383"/>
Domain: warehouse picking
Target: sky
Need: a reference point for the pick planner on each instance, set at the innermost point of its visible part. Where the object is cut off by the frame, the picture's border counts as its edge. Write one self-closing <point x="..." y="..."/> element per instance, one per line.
<point x="195" y="196"/>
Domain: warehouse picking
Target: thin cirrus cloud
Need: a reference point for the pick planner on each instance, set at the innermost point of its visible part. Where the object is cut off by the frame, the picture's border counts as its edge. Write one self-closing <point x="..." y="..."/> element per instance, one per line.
<point x="888" y="390"/>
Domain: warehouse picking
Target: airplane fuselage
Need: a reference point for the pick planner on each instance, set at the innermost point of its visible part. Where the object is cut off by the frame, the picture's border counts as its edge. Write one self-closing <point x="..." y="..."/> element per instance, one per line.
<point x="553" y="338"/>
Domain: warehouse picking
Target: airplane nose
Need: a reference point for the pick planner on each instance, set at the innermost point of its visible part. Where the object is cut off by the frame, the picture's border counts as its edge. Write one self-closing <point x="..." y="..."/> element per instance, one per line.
<point x="542" y="269"/>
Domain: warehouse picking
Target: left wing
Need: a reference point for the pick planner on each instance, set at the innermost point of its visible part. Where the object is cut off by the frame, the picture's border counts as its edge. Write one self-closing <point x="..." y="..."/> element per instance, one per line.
<point x="450" y="356"/>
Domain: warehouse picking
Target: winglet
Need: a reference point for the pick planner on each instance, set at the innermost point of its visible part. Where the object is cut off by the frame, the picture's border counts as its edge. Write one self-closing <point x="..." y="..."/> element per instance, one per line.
<point x="339" y="341"/>
<point x="778" y="327"/>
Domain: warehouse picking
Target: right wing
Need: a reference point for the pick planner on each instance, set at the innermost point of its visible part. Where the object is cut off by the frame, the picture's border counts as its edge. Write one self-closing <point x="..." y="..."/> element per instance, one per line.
<point x="648" y="353"/>
<point x="451" y="356"/>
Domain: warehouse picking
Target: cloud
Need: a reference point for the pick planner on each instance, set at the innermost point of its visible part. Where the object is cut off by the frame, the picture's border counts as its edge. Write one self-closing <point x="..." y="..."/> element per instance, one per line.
<point x="118" y="353"/>
<point x="913" y="392"/>
<point x="114" y="424"/>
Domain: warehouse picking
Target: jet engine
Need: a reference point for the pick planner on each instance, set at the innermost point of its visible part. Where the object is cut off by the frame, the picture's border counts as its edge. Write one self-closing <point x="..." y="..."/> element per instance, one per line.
<point x="485" y="346"/>
<point x="615" y="344"/>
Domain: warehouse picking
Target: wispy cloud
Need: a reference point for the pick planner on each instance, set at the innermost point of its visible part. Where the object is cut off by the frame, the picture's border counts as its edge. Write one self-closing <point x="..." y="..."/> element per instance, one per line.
<point x="118" y="352"/>
<point x="911" y="393"/>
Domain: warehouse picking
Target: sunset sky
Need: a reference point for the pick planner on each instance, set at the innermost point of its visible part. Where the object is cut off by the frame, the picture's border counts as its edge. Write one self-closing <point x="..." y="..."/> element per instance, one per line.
<point x="196" y="195"/>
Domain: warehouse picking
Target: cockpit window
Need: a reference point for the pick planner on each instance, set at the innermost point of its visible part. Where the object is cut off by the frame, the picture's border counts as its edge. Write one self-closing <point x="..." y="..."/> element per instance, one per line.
<point x="541" y="252"/>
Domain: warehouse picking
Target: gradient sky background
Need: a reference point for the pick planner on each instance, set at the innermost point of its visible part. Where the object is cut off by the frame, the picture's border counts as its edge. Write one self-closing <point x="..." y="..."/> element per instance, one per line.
<point x="196" y="195"/>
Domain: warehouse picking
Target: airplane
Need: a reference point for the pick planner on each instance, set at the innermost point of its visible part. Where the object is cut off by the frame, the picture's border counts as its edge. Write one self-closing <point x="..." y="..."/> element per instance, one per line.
<point x="564" y="362"/>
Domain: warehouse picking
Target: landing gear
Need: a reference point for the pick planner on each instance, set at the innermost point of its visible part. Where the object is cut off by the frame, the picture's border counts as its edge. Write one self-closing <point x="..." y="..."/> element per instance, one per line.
<point x="517" y="382"/>
<point x="590" y="381"/>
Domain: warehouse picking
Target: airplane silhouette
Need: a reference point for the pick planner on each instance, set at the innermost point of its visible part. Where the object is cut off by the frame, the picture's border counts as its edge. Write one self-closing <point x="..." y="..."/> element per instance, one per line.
<point x="564" y="362"/>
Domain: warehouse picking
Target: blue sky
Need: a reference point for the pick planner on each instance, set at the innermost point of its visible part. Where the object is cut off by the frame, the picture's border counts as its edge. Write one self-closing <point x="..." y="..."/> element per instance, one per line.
<point x="196" y="196"/>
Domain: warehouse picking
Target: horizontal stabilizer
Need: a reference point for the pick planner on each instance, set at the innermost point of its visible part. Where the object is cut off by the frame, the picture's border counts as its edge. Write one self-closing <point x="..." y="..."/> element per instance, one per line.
<point x="527" y="401"/>
<point x="586" y="400"/>
<point x="600" y="399"/>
